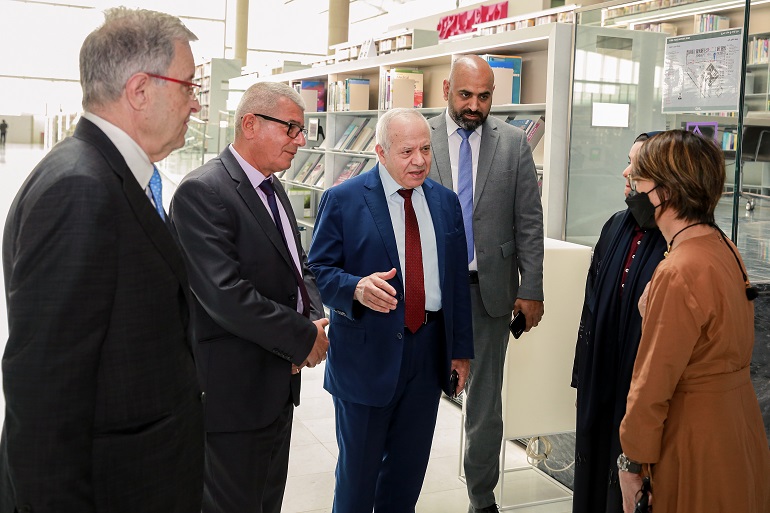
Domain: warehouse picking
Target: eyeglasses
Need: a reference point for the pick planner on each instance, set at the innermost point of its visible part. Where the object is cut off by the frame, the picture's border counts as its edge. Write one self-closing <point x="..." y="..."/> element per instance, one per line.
<point x="293" y="129"/>
<point x="192" y="88"/>
<point x="633" y="182"/>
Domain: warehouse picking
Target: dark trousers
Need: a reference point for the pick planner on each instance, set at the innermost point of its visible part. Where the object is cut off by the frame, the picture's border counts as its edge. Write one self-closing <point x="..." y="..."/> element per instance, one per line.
<point x="383" y="452"/>
<point x="246" y="471"/>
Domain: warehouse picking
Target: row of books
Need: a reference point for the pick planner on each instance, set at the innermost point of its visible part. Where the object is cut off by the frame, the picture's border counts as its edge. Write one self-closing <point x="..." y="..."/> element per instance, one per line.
<point x="758" y="51"/>
<point x="533" y="126"/>
<point x="668" y="28"/>
<point x="710" y="22"/>
<point x="729" y="140"/>
<point x="349" y="94"/>
<point x="358" y="136"/>
<point x="311" y="172"/>
<point x="401" y="87"/>
<point x="651" y="5"/>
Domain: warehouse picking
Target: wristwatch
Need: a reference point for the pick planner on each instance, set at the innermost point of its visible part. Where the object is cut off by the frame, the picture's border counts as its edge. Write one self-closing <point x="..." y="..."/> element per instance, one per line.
<point x="626" y="465"/>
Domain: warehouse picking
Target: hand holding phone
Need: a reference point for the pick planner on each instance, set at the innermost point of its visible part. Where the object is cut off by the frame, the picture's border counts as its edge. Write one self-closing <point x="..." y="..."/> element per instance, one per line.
<point x="518" y="325"/>
<point x="454" y="378"/>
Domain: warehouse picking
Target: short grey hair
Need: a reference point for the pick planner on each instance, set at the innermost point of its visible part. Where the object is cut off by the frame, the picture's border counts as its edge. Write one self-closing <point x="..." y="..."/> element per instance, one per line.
<point x="383" y="124"/>
<point x="130" y="41"/>
<point x="263" y="98"/>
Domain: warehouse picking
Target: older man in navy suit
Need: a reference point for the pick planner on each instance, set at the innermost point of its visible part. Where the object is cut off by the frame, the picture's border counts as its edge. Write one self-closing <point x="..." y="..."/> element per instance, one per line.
<point x="390" y="261"/>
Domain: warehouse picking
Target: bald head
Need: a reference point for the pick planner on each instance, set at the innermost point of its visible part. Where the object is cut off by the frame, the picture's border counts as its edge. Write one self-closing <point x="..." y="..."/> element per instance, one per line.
<point x="468" y="91"/>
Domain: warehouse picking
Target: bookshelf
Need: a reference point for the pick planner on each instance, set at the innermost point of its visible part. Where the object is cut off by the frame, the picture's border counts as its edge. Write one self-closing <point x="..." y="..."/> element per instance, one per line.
<point x="213" y="75"/>
<point x="546" y="52"/>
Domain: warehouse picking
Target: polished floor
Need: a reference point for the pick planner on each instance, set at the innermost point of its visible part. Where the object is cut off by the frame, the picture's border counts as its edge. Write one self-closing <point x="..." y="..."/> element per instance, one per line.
<point x="310" y="485"/>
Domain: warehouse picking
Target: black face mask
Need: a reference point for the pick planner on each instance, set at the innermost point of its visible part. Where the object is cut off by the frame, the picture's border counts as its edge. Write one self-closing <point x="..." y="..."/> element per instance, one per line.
<point x="642" y="209"/>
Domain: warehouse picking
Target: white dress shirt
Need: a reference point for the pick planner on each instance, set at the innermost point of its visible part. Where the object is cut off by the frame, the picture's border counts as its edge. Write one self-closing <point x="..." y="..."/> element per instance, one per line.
<point x="427" y="236"/>
<point x="137" y="160"/>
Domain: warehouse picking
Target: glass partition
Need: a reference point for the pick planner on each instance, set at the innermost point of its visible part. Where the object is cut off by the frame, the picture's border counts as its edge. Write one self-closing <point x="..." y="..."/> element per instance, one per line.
<point x="618" y="93"/>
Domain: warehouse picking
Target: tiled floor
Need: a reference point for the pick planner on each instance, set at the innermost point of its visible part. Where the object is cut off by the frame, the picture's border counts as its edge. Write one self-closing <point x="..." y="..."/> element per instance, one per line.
<point x="313" y="456"/>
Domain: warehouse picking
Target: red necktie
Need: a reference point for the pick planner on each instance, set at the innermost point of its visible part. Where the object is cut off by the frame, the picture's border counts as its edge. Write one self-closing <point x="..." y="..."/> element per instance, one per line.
<point x="414" y="302"/>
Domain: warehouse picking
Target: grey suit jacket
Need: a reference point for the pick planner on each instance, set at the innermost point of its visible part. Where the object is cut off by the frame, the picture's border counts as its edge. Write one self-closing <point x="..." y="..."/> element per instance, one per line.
<point x="102" y="401"/>
<point x="507" y="213"/>
<point x="246" y="328"/>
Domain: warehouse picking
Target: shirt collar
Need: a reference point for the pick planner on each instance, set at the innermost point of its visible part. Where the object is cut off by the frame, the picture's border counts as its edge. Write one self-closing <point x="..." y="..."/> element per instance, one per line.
<point x="451" y="126"/>
<point x="254" y="175"/>
<point x="136" y="158"/>
<point x="391" y="186"/>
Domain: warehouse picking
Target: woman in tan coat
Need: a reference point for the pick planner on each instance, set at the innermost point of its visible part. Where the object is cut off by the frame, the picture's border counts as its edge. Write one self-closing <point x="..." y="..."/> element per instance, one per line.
<point x="692" y="418"/>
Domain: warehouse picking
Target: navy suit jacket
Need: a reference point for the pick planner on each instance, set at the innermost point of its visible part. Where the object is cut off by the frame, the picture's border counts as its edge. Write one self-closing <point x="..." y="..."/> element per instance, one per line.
<point x="354" y="238"/>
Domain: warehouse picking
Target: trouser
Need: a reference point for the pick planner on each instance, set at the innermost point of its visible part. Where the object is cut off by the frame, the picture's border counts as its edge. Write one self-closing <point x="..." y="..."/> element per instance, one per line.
<point x="384" y="452"/>
<point x="484" y="407"/>
<point x="245" y="472"/>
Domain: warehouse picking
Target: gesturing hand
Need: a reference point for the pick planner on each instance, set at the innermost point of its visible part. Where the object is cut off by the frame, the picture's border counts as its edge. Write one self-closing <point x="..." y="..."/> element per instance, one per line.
<point x="374" y="292"/>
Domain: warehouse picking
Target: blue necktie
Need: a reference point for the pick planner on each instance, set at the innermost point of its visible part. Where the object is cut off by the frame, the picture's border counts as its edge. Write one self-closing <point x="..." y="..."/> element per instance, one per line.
<point x="465" y="187"/>
<point x="156" y="189"/>
<point x="267" y="187"/>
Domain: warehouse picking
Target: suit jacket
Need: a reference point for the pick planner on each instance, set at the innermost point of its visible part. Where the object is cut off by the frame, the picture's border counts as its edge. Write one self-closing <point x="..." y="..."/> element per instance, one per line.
<point x="354" y="238"/>
<point x="507" y="213"/>
<point x="103" y="407"/>
<point x="246" y="328"/>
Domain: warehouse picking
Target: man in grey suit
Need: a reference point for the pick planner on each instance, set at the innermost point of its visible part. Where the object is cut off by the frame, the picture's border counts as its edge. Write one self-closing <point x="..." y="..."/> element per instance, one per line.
<point x="257" y="315"/>
<point x="103" y="408"/>
<point x="489" y="164"/>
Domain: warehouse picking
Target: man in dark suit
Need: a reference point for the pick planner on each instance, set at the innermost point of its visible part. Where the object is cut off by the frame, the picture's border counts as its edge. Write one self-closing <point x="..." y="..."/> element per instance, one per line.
<point x="388" y="252"/>
<point x="257" y="315"/>
<point x="103" y="407"/>
<point x="489" y="164"/>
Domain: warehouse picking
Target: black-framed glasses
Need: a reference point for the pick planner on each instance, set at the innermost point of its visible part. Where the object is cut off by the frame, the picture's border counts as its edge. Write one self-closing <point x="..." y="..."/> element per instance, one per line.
<point x="192" y="87"/>
<point x="293" y="129"/>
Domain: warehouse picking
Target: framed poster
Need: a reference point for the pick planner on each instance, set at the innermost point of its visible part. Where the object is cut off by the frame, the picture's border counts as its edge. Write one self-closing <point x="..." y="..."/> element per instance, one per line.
<point x="702" y="72"/>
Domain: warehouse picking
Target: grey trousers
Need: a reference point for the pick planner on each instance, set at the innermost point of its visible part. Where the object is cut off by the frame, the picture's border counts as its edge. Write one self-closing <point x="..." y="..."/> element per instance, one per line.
<point x="484" y="408"/>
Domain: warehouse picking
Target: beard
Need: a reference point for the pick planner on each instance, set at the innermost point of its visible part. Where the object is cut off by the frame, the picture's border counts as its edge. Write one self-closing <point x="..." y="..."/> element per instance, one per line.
<point x="467" y="124"/>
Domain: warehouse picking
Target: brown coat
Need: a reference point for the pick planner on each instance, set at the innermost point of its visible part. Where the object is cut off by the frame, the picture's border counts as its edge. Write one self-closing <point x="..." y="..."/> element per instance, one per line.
<point x="692" y="411"/>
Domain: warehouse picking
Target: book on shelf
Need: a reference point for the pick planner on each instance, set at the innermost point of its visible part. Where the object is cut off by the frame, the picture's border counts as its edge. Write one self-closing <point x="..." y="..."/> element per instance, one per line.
<point x="371" y="145"/>
<point x="363" y="137"/>
<point x="533" y="126"/>
<point x="758" y="51"/>
<point x="350" y="132"/>
<point x="307" y="167"/>
<point x="318" y="171"/>
<point x="403" y="88"/>
<point x="320" y="181"/>
<point x="356" y="94"/>
<point x="313" y="92"/>
<point x="351" y="169"/>
<point x="507" y="71"/>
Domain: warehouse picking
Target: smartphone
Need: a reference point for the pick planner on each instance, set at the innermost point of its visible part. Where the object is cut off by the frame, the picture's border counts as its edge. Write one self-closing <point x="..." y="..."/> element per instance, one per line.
<point x="518" y="325"/>
<point x="454" y="378"/>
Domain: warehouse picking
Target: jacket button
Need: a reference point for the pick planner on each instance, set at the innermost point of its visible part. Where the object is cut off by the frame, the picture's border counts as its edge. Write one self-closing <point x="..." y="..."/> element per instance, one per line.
<point x="400" y="297"/>
<point x="293" y="297"/>
<point x="399" y="336"/>
<point x="203" y="397"/>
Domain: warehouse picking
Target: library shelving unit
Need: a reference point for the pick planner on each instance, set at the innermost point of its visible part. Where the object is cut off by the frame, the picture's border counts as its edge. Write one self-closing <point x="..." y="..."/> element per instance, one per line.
<point x="546" y="52"/>
<point x="212" y="76"/>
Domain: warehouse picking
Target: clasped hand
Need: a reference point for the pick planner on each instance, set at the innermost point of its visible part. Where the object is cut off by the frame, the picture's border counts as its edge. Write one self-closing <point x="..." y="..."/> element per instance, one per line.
<point x="318" y="352"/>
<point x="375" y="292"/>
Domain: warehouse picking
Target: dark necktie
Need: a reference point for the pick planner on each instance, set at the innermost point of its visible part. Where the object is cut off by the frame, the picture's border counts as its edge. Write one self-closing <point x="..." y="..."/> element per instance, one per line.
<point x="414" y="302"/>
<point x="465" y="187"/>
<point x="267" y="188"/>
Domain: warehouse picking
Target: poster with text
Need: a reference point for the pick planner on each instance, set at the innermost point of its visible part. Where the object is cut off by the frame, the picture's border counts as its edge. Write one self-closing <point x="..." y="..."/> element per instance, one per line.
<point x="702" y="72"/>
